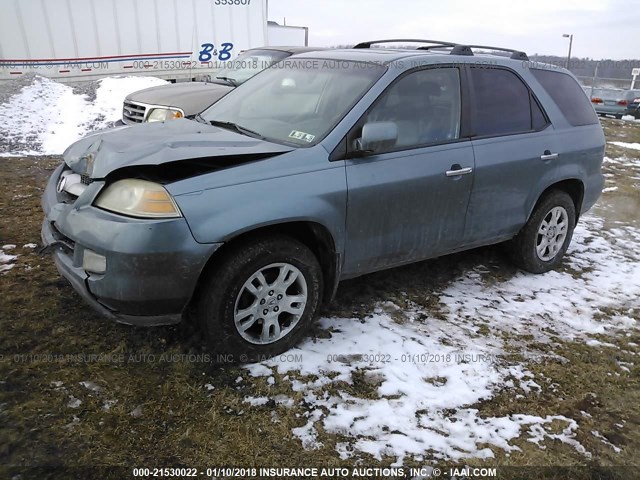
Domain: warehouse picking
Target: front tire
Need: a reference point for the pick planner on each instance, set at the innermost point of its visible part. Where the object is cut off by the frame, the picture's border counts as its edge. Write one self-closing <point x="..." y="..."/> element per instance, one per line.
<point x="543" y="241"/>
<point x="260" y="299"/>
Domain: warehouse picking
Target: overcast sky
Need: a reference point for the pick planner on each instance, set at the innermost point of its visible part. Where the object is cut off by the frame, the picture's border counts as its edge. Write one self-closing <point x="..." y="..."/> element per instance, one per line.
<point x="601" y="28"/>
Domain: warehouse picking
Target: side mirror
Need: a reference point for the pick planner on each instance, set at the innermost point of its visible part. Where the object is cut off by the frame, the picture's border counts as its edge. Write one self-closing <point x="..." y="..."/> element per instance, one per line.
<point x="377" y="135"/>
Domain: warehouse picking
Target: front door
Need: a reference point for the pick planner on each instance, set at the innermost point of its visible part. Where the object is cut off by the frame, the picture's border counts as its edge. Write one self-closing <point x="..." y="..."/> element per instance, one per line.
<point x="408" y="200"/>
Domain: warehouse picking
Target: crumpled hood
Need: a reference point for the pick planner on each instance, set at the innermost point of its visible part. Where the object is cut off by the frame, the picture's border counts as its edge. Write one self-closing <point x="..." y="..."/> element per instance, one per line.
<point x="190" y="97"/>
<point x="101" y="153"/>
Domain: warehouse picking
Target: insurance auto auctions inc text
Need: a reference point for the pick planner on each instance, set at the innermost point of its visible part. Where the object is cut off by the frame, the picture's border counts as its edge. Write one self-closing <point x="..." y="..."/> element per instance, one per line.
<point x="337" y="473"/>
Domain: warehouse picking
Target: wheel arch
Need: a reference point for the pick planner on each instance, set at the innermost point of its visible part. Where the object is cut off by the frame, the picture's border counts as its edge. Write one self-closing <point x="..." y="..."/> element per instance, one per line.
<point x="574" y="187"/>
<point x="314" y="235"/>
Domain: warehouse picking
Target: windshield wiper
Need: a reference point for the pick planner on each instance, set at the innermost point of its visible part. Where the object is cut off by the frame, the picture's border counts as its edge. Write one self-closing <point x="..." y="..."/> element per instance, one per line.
<point x="237" y="128"/>
<point x="229" y="80"/>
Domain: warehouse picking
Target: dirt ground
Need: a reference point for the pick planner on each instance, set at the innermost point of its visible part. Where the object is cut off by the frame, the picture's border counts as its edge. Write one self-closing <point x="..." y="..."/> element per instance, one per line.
<point x="61" y="406"/>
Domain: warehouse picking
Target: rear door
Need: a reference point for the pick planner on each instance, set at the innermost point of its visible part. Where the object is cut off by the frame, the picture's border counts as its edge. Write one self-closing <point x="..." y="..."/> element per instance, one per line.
<point x="514" y="147"/>
<point x="408" y="200"/>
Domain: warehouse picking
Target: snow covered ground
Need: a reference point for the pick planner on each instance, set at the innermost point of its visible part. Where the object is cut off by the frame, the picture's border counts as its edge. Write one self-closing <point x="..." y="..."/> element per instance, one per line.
<point x="43" y="117"/>
<point x="430" y="366"/>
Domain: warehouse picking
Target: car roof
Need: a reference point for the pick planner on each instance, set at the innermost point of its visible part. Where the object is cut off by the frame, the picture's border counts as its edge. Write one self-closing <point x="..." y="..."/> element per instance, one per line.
<point x="385" y="56"/>
<point x="378" y="55"/>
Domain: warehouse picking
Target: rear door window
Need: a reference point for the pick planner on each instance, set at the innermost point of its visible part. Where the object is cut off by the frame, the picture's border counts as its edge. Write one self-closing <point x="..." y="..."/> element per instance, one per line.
<point x="503" y="104"/>
<point x="568" y="95"/>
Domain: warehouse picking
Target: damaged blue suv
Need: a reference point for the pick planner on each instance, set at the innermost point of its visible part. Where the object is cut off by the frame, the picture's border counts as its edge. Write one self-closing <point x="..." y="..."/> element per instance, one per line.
<point x="326" y="166"/>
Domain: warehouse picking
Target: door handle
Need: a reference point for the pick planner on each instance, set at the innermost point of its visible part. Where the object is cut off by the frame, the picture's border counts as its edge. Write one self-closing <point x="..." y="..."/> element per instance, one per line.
<point x="459" y="171"/>
<point x="547" y="155"/>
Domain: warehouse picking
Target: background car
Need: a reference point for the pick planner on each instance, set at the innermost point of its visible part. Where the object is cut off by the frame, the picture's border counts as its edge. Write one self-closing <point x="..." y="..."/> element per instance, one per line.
<point x="178" y="100"/>
<point x="612" y="101"/>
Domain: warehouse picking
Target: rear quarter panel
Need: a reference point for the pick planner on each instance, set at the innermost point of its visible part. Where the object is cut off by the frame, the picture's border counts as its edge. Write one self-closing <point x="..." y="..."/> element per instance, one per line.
<point x="581" y="152"/>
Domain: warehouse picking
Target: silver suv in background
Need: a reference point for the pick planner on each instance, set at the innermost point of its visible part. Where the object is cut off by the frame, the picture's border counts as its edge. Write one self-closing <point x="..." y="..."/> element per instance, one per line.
<point x="179" y="100"/>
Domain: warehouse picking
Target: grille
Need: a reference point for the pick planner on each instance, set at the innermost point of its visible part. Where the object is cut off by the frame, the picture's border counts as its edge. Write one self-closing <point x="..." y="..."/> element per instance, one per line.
<point x="133" y="112"/>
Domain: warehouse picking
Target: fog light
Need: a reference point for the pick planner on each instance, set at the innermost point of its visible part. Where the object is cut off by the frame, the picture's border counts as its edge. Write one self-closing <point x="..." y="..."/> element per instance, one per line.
<point x="93" y="262"/>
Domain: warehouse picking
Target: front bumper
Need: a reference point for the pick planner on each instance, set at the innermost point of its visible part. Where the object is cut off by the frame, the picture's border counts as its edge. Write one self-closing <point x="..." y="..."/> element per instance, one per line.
<point x="153" y="266"/>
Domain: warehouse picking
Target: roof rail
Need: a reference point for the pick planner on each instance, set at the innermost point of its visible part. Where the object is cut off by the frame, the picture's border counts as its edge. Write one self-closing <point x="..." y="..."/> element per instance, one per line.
<point x="456" y="48"/>
<point x="515" y="54"/>
<point x="406" y="40"/>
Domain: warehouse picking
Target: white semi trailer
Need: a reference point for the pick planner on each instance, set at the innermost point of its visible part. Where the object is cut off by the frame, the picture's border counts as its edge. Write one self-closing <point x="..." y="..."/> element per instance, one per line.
<point x="76" y="40"/>
<point x="287" y="35"/>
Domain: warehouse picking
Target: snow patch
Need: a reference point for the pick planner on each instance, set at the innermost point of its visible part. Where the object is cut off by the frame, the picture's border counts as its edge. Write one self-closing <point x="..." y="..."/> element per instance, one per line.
<point x="45" y="116"/>
<point x="426" y="374"/>
<point x="307" y="433"/>
<point x="6" y="261"/>
<point x="560" y="303"/>
<point x="634" y="146"/>
<point x="605" y="440"/>
<point x="94" y="387"/>
<point x="256" y="401"/>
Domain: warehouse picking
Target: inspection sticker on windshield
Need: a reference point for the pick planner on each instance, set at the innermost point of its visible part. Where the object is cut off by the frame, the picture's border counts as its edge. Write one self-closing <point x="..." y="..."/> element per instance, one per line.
<point x="307" y="137"/>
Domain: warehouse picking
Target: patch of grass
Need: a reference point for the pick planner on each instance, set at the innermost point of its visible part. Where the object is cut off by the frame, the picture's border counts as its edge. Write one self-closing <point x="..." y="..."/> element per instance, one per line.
<point x="587" y="385"/>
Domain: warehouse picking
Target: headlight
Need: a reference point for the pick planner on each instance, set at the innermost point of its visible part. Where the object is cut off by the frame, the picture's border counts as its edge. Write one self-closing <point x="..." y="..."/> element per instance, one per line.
<point x="164" y="114"/>
<point x="138" y="198"/>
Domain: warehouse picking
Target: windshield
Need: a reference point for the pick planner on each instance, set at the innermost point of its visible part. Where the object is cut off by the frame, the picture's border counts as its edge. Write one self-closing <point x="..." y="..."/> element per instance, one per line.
<point x="298" y="101"/>
<point x="249" y="64"/>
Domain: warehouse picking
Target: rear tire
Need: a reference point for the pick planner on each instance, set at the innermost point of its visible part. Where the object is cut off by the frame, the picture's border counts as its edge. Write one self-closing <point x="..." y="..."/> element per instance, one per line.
<point x="260" y="300"/>
<point x="543" y="241"/>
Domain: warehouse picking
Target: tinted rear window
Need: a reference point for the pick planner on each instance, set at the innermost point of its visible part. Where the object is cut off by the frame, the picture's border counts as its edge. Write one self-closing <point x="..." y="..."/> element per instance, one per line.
<point x="503" y="104"/>
<point x="568" y="95"/>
